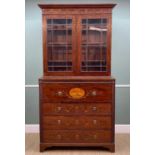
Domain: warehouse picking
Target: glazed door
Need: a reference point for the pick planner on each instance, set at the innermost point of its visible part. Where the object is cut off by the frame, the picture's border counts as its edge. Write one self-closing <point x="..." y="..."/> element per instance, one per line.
<point x="94" y="45"/>
<point x="59" y="45"/>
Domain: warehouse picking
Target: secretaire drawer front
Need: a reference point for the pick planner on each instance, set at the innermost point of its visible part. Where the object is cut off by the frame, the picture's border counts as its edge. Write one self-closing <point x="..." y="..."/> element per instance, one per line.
<point x="78" y="122"/>
<point x="77" y="136"/>
<point x="76" y="92"/>
<point x="77" y="108"/>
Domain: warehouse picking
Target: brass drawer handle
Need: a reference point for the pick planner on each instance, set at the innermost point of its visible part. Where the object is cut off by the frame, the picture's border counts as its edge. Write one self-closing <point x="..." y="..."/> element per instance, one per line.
<point x="59" y="121"/>
<point x="95" y="136"/>
<point x="60" y="93"/>
<point x="59" y="108"/>
<point x="94" y="108"/>
<point x="58" y="136"/>
<point x="94" y="93"/>
<point x="77" y="136"/>
<point x="94" y="121"/>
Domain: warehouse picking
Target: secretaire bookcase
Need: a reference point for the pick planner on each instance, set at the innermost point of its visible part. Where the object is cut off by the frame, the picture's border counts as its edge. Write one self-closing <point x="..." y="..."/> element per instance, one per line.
<point x="77" y="92"/>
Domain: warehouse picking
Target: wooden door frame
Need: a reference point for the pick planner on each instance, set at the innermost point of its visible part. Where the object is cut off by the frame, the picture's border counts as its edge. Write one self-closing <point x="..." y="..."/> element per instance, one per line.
<point x="79" y="36"/>
<point x="45" y="60"/>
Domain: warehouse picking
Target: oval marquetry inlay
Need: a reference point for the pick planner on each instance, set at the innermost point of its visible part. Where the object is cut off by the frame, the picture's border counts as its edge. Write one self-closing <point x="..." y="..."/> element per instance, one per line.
<point x="77" y="93"/>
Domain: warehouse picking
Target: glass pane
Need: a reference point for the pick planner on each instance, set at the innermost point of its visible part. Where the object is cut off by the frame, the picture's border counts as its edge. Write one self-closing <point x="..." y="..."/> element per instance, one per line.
<point x="59" y="21"/>
<point x="69" y="36"/>
<point x="94" y="42"/>
<point x="59" y="36"/>
<point x="69" y="21"/>
<point x="94" y="21"/>
<point x="104" y="38"/>
<point x="59" y="53"/>
<point x="59" y="44"/>
<point x="49" y="21"/>
<point x="93" y="53"/>
<point x="84" y="21"/>
<point x="94" y="36"/>
<point x="84" y="36"/>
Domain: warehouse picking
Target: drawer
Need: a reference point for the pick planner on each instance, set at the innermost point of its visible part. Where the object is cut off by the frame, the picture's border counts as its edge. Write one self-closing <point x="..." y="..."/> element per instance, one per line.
<point x="77" y="108"/>
<point x="80" y="122"/>
<point x="77" y="136"/>
<point x="77" y="92"/>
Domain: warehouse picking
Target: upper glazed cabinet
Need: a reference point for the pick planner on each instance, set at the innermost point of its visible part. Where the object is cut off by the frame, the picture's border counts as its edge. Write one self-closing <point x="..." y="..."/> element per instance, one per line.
<point x="77" y="41"/>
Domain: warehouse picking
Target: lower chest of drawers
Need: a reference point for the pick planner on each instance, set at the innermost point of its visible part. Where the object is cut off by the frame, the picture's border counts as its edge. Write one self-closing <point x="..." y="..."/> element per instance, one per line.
<point x="85" y="120"/>
<point x="78" y="122"/>
<point x="77" y="136"/>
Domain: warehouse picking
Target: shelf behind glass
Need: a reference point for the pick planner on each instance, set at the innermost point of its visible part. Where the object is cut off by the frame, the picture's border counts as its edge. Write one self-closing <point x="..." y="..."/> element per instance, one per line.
<point x="59" y="45"/>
